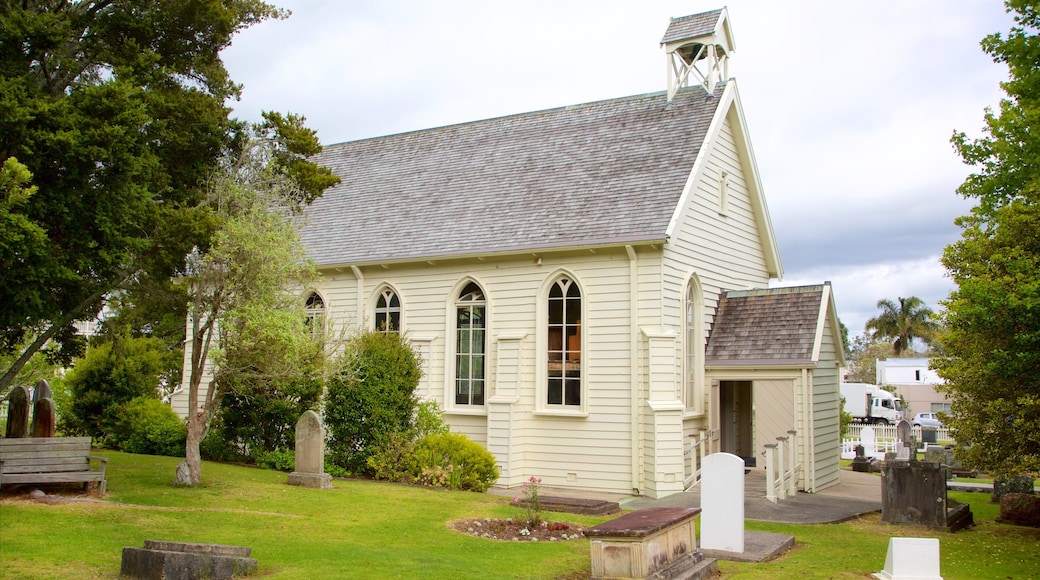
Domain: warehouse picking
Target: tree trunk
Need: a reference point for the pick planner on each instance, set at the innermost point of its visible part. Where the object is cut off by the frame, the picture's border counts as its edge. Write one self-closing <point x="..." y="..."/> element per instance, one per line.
<point x="189" y="471"/>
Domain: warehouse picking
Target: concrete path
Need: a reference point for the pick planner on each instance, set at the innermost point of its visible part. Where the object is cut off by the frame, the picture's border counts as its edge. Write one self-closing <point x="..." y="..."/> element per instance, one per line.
<point x="855" y="494"/>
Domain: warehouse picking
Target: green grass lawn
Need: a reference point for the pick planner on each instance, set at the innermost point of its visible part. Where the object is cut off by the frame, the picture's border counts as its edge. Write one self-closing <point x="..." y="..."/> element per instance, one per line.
<point x="377" y="530"/>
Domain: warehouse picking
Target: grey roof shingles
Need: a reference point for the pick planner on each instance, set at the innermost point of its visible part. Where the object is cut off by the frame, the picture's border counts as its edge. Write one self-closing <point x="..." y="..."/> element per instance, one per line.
<point x="691" y="26"/>
<point x="776" y="325"/>
<point x="604" y="172"/>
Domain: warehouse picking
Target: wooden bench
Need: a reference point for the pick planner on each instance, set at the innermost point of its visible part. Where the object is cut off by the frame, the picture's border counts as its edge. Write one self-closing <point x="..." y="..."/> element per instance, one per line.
<point x="49" y="460"/>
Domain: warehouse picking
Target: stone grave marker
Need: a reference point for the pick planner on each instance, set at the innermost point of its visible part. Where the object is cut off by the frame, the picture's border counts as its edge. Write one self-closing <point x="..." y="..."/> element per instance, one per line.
<point x="44" y="418"/>
<point x="722" y="503"/>
<point x="18" y="413"/>
<point x="310" y="453"/>
<point x="905" y="445"/>
<point x="42" y="391"/>
<point x="868" y="440"/>
<point x="911" y="558"/>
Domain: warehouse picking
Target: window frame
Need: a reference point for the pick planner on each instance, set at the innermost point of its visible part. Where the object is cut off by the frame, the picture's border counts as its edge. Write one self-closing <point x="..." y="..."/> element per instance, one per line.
<point x="452" y="358"/>
<point x="383" y="292"/>
<point x="542" y="405"/>
<point x="316" y="317"/>
<point x="693" y="391"/>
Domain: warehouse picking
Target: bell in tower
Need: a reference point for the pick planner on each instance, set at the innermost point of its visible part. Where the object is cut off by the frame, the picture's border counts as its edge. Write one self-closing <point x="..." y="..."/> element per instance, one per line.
<point x="698" y="45"/>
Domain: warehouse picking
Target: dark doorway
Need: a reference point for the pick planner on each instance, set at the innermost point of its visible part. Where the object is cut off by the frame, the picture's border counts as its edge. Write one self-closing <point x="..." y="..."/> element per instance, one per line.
<point x="736" y="420"/>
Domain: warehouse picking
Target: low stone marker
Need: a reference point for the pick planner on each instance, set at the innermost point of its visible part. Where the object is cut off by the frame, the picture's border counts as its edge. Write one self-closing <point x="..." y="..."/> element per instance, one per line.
<point x="18" y="413"/>
<point x="911" y="559"/>
<point x="310" y="453"/>
<point x="722" y="503"/>
<point x="658" y="543"/>
<point x="160" y="560"/>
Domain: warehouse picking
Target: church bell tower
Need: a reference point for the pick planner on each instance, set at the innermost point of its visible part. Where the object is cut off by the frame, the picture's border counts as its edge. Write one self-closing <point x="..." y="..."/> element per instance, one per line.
<point x="698" y="46"/>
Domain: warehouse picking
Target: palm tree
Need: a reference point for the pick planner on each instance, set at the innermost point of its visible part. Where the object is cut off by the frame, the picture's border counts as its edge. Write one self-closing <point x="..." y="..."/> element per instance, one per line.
<point x="901" y="324"/>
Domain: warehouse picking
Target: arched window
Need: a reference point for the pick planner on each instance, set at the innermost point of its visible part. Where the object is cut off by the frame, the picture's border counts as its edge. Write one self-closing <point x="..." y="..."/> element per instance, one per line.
<point x="694" y="346"/>
<point x="315" y="312"/>
<point x="564" y="360"/>
<point x="388" y="312"/>
<point x="470" y="345"/>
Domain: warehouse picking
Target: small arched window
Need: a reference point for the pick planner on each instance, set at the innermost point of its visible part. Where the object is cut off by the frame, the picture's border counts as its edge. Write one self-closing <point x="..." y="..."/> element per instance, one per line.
<point x="564" y="360"/>
<point x="388" y="312"/>
<point x="314" y="309"/>
<point x="470" y="345"/>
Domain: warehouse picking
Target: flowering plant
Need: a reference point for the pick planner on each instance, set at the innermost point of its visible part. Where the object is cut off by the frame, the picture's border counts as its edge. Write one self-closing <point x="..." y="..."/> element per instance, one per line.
<point x="529" y="500"/>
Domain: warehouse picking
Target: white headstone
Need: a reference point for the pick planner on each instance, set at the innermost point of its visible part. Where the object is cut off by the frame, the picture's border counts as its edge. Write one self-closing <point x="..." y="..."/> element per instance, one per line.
<point x="722" y="503"/>
<point x="869" y="442"/>
<point x="911" y="559"/>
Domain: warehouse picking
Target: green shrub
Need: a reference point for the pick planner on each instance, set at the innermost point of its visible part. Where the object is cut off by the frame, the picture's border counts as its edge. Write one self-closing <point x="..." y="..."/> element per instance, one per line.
<point x="148" y="426"/>
<point x="371" y="397"/>
<point x="261" y="417"/>
<point x="394" y="460"/>
<point x="109" y="376"/>
<point x="455" y="460"/>
<point x="429" y="419"/>
<point x="279" y="459"/>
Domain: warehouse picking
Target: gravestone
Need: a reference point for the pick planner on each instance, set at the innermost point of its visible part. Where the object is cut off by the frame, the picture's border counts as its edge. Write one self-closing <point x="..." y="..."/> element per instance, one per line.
<point x="1014" y="484"/>
<point x="310" y="453"/>
<point x="44" y="418"/>
<point x="911" y="558"/>
<point x="861" y="462"/>
<point x="914" y="492"/>
<point x="868" y="440"/>
<point x="722" y="503"/>
<point x="42" y="391"/>
<point x="18" y="413"/>
<point x="905" y="446"/>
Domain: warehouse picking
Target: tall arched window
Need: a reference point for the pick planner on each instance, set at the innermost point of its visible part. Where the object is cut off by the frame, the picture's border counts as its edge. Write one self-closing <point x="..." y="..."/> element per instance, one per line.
<point x="564" y="361"/>
<point x="470" y="345"/>
<point x="314" y="309"/>
<point x="388" y="312"/>
<point x="694" y="346"/>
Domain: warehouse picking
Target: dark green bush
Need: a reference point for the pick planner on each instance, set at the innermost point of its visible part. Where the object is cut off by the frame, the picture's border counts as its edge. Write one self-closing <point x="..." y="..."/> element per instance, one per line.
<point x="453" y="460"/>
<point x="371" y="397"/>
<point x="280" y="459"/>
<point x="109" y="376"/>
<point x="261" y="417"/>
<point x="148" y="426"/>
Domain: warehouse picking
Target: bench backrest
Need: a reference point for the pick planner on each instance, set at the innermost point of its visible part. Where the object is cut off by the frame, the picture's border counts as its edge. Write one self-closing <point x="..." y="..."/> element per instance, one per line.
<point x="45" y="454"/>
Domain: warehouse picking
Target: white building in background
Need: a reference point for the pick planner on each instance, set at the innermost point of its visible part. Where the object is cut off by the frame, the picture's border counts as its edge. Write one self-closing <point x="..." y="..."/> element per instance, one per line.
<point x="915" y="382"/>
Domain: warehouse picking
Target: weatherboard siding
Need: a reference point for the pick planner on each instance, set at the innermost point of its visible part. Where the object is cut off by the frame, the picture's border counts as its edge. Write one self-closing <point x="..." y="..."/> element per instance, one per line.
<point x="826" y="427"/>
<point x="598" y="446"/>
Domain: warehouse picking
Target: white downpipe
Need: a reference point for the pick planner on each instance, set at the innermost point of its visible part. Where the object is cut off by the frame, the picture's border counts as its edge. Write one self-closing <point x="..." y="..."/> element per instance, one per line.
<point x="360" y="295"/>
<point x="810" y="457"/>
<point x="633" y="316"/>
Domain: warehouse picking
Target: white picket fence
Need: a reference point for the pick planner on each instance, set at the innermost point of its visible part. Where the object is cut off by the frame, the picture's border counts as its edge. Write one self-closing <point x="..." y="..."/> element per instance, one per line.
<point x="885" y="440"/>
<point x="886" y="432"/>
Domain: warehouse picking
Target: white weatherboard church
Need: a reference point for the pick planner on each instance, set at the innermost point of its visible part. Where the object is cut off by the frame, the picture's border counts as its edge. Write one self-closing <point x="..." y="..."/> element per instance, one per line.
<point x="587" y="285"/>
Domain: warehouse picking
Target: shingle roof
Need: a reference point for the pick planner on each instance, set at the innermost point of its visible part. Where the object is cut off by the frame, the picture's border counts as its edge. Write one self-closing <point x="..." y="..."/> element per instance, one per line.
<point x="776" y="325"/>
<point x="691" y="26"/>
<point x="603" y="172"/>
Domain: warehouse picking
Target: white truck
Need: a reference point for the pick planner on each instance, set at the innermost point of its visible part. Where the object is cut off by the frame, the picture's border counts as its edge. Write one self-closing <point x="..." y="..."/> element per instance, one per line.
<point x="871" y="404"/>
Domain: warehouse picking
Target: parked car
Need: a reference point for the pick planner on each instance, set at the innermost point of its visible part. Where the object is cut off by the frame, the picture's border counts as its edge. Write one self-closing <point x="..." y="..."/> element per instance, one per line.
<point x="926" y="420"/>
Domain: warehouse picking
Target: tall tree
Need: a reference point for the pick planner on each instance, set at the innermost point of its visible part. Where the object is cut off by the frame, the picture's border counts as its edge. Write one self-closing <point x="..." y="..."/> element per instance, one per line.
<point x="903" y="323"/>
<point x="246" y="309"/>
<point x="116" y="109"/>
<point x="991" y="348"/>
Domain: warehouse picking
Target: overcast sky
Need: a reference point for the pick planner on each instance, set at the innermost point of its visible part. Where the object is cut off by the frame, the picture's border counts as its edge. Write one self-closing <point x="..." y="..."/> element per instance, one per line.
<point x="850" y="105"/>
